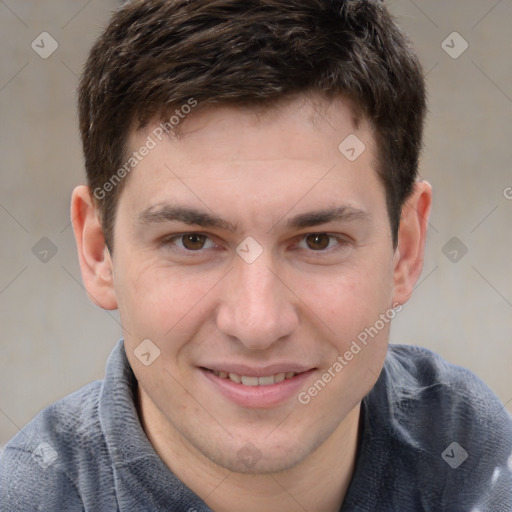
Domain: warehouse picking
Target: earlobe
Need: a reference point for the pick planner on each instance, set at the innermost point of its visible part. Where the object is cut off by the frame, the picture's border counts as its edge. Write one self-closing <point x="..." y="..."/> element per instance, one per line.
<point x="93" y="254"/>
<point x="412" y="234"/>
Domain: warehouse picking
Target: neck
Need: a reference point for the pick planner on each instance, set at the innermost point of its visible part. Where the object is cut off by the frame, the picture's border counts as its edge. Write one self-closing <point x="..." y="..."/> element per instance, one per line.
<point x="318" y="482"/>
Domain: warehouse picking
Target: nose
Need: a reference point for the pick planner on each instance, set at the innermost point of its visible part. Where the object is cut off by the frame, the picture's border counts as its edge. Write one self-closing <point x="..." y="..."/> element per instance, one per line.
<point x="257" y="307"/>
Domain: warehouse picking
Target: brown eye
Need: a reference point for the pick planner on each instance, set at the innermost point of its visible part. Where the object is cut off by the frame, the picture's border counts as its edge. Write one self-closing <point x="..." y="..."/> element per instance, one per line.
<point x="193" y="241"/>
<point x="318" y="241"/>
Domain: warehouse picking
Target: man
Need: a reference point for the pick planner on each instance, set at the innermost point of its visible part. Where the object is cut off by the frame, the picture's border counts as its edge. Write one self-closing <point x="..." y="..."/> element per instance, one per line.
<point x="253" y="210"/>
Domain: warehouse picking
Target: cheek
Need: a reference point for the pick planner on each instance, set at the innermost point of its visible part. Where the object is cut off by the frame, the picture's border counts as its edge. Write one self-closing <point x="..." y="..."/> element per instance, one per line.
<point x="348" y="302"/>
<point x="160" y="302"/>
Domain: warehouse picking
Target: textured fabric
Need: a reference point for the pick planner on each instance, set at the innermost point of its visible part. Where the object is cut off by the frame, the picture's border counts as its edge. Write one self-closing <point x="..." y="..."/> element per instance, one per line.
<point x="88" y="452"/>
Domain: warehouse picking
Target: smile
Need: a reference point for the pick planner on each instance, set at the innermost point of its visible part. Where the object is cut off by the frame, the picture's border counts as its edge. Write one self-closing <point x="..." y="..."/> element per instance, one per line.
<point x="264" y="390"/>
<point x="267" y="380"/>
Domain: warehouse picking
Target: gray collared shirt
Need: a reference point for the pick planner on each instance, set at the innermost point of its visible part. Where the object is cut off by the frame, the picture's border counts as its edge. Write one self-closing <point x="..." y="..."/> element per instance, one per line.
<point x="433" y="438"/>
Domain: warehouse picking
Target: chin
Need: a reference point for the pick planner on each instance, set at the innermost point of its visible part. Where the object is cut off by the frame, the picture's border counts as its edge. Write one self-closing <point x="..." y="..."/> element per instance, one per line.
<point x="261" y="456"/>
<point x="263" y="464"/>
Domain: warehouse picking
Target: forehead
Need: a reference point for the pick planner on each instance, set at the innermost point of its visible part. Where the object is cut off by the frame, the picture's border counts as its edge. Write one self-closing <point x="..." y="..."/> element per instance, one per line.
<point x="306" y="143"/>
<point x="291" y="118"/>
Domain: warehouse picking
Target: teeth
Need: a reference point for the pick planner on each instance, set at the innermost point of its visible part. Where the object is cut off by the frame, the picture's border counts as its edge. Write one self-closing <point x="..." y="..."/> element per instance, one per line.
<point x="236" y="378"/>
<point x="249" y="381"/>
<point x="264" y="381"/>
<point x="268" y="380"/>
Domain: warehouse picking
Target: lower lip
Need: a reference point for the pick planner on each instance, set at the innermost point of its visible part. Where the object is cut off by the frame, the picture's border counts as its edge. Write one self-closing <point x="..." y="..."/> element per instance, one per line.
<point x="258" y="396"/>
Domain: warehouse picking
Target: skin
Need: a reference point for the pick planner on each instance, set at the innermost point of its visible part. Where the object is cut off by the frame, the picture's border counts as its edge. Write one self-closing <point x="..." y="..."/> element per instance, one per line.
<point x="299" y="302"/>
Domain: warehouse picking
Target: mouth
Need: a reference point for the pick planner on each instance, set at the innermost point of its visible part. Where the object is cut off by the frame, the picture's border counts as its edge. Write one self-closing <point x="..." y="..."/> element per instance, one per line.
<point x="246" y="380"/>
<point x="260" y="389"/>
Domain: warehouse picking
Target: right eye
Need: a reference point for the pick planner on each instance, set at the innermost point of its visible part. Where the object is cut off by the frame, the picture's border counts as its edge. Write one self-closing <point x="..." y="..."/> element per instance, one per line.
<point x="190" y="242"/>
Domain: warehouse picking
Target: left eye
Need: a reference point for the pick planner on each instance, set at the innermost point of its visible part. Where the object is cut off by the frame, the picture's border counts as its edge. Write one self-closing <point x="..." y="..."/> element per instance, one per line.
<point x="318" y="241"/>
<point x="192" y="241"/>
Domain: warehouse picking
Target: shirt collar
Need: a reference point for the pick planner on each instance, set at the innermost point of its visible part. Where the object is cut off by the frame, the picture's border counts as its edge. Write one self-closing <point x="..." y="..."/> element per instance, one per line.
<point x="142" y="480"/>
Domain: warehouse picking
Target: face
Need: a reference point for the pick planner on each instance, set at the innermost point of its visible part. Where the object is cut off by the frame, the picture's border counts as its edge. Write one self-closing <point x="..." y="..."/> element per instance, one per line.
<point x="253" y="253"/>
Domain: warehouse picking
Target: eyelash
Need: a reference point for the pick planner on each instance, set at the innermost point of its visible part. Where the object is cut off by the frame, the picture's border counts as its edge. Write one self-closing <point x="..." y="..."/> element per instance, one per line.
<point x="169" y="241"/>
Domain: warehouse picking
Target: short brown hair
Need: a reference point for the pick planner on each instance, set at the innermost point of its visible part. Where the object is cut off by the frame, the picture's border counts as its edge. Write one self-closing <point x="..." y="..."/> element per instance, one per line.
<point x="156" y="55"/>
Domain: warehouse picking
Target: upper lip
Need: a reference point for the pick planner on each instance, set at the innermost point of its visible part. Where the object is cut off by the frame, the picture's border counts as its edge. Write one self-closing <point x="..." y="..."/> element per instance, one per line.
<point x="261" y="371"/>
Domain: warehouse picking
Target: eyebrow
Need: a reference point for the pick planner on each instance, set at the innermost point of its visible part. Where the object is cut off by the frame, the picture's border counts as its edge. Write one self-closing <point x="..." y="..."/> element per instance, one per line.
<point x="161" y="213"/>
<point x="315" y="218"/>
<point x="168" y="213"/>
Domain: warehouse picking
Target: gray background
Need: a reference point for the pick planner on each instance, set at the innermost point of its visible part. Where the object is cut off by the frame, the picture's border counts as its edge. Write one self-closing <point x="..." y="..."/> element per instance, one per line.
<point x="54" y="340"/>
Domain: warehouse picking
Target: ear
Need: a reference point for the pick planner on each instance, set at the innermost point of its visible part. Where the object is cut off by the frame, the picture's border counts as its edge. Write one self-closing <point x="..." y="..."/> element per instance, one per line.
<point x="93" y="254"/>
<point x="412" y="234"/>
